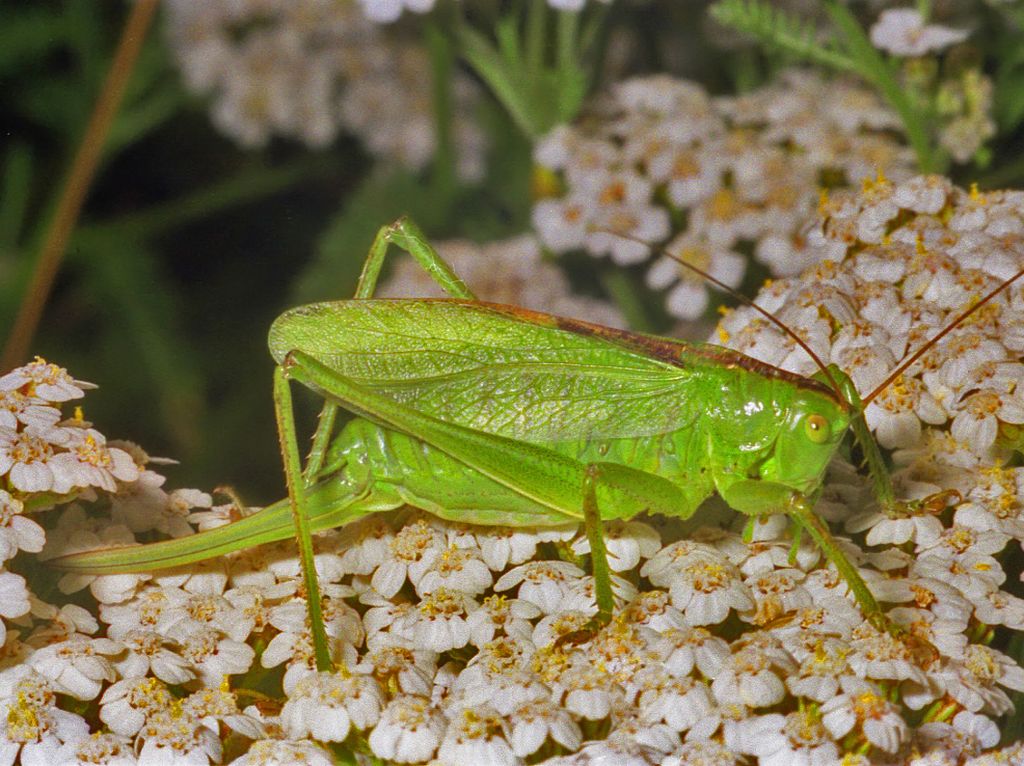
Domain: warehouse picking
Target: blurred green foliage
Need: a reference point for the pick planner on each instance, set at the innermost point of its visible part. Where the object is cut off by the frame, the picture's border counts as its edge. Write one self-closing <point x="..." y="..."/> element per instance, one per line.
<point x="189" y="245"/>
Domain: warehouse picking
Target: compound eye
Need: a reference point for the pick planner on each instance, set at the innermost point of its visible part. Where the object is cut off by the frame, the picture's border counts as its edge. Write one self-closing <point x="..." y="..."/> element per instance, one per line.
<point x="817" y="429"/>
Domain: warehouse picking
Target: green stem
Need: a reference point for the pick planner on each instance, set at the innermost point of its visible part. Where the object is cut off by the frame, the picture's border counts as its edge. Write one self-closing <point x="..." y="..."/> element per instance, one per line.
<point x="536" y="37"/>
<point x="15" y="193"/>
<point x="442" y="60"/>
<point x="488" y="64"/>
<point x="246" y="186"/>
<point x="567" y="35"/>
<point x="571" y="90"/>
<point x="875" y="69"/>
<point x="878" y="470"/>
<point x="932" y="712"/>
<point x="624" y="294"/>
<point x="594" y="28"/>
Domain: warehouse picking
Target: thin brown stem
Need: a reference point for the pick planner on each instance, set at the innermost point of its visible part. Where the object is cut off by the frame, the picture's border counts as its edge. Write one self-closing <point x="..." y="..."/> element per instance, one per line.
<point x="79" y="179"/>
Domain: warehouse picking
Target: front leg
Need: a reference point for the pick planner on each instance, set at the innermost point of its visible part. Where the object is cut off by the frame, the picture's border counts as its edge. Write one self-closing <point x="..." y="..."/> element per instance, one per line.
<point x="757" y="498"/>
<point x="598" y="551"/>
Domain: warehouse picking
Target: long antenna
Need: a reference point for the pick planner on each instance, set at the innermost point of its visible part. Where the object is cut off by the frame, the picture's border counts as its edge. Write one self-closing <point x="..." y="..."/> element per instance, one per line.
<point x="902" y="366"/>
<point x="742" y="299"/>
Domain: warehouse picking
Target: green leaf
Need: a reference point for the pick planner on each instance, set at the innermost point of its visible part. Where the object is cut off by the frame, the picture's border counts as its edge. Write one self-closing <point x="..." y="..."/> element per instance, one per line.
<point x="507" y="34"/>
<point x="153" y="95"/>
<point x="15" y="189"/>
<point x="92" y="39"/>
<point x="1008" y="99"/>
<point x="780" y="32"/>
<point x="138" y="299"/>
<point x="27" y="34"/>
<point x="140" y="118"/>
<point x="494" y="70"/>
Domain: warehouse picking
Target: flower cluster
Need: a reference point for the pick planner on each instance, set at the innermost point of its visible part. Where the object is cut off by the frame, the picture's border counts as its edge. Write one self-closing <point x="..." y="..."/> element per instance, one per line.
<point x="309" y="70"/>
<point x="45" y="457"/>
<point x="460" y="644"/>
<point x="466" y="645"/>
<point x="386" y="11"/>
<point x="724" y="177"/>
<point x="903" y="261"/>
<point x="509" y="271"/>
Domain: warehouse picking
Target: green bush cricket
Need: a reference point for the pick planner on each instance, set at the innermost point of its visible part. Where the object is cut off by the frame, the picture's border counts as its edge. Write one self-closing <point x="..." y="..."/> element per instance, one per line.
<point x="490" y="414"/>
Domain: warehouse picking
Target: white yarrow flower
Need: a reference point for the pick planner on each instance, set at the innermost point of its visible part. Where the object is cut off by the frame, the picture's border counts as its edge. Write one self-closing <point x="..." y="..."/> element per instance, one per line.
<point x="902" y="32"/>
<point x="410" y="730"/>
<point x="324" y="706"/>
<point x="45" y="381"/>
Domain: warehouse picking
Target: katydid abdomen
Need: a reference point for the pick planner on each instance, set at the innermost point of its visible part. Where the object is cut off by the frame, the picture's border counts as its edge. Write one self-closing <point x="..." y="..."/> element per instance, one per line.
<point x="407" y="470"/>
<point x="373" y="469"/>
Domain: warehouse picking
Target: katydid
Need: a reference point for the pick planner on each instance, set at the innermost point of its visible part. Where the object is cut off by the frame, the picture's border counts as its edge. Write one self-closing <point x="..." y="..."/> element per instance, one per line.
<point x="490" y="414"/>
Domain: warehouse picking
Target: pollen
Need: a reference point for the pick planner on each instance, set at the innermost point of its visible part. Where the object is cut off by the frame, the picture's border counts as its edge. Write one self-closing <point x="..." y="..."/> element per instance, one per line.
<point x="984" y="404"/>
<point x="823" y="201"/>
<point x="685" y="165"/>
<point x="13" y="401"/>
<point x="902" y="394"/>
<point x="961" y="540"/>
<point x="878" y="183"/>
<point x="613" y="193"/>
<point x="23" y="724"/>
<point x="476" y="726"/>
<point x="440" y="603"/>
<point x="923" y="597"/>
<point x="92" y="452"/>
<point x="202" y="609"/>
<point x="868" y="705"/>
<point x="724" y="206"/>
<point x="981" y="662"/>
<point x="708" y="577"/>
<point x="29" y="449"/>
<point x="42" y="371"/>
<point x="452" y="560"/>
<point x="804" y="727"/>
<point x="412" y="542"/>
